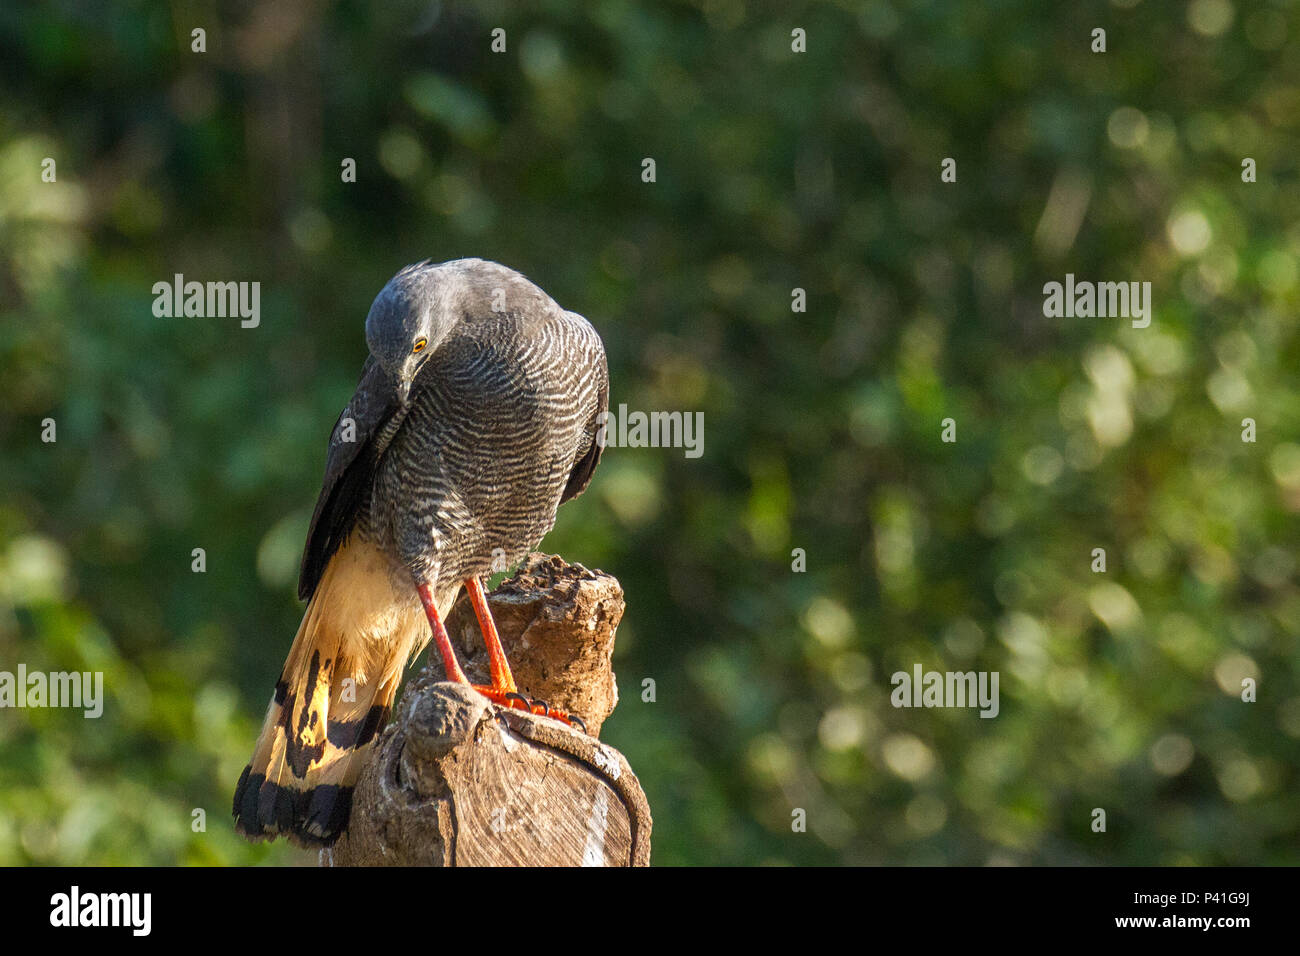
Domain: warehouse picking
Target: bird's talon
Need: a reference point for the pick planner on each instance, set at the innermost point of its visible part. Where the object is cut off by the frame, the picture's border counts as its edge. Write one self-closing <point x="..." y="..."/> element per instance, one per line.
<point x="513" y="700"/>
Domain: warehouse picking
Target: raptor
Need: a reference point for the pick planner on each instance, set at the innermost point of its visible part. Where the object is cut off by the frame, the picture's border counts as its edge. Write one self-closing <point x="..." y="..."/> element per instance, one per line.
<point x="475" y="418"/>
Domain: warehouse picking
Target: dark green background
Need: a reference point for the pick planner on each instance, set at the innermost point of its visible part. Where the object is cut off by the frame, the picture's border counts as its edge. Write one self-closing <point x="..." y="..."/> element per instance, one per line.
<point x="775" y="170"/>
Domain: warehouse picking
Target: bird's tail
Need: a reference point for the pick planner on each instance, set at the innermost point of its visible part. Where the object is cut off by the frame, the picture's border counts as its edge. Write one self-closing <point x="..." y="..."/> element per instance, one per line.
<point x="332" y="699"/>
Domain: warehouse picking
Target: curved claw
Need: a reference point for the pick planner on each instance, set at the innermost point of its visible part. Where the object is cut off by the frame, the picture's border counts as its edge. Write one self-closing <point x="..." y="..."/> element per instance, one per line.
<point x="534" y="705"/>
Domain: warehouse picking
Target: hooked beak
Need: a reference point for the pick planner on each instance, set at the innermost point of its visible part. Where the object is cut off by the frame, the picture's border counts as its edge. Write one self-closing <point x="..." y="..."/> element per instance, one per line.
<point x="404" y="391"/>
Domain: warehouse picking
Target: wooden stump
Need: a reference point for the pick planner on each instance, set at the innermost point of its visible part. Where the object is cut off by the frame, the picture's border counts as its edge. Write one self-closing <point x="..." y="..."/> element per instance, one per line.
<point x="458" y="781"/>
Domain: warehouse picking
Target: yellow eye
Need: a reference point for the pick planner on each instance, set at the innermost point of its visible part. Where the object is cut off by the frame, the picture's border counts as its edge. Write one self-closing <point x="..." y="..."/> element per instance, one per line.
<point x="419" y="345"/>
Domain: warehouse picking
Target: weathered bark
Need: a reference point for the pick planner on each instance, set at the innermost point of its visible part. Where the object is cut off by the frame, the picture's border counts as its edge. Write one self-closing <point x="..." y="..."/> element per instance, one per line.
<point x="457" y="781"/>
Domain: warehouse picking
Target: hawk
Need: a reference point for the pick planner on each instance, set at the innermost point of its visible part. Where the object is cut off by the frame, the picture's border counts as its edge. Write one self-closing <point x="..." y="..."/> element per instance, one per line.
<point x="475" y="418"/>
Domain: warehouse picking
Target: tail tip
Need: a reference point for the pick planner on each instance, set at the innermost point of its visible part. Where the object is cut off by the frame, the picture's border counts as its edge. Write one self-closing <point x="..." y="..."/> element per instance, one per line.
<point x="311" y="818"/>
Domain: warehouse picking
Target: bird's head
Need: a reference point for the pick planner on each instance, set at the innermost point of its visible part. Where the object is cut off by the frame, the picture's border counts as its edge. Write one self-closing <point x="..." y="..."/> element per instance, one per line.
<point x="407" y="322"/>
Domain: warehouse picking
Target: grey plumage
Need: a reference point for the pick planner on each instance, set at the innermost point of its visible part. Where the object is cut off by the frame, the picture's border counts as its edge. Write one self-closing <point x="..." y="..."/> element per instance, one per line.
<point x="498" y="428"/>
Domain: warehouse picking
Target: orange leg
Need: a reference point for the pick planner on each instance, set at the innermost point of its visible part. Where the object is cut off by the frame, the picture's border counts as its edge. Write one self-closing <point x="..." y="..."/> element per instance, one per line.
<point x="449" y="662"/>
<point x="502" y="679"/>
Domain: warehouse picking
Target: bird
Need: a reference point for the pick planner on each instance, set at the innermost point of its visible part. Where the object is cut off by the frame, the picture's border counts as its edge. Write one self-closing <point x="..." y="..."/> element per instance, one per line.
<point x="480" y="410"/>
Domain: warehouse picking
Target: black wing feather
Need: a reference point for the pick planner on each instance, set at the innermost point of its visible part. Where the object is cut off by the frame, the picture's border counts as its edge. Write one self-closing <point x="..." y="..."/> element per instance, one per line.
<point x="585" y="466"/>
<point x="349" y="472"/>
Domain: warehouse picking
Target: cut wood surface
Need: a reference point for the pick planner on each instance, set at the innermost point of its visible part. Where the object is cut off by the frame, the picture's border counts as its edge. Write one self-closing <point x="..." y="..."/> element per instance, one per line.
<point x="459" y="781"/>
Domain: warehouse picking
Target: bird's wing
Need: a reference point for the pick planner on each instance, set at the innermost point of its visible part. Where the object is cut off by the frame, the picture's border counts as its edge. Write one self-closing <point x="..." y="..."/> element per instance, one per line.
<point x="589" y="453"/>
<point x="349" y="470"/>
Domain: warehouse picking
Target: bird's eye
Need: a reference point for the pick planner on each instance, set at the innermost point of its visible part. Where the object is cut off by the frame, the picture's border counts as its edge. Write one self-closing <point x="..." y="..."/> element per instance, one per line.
<point x="419" y="346"/>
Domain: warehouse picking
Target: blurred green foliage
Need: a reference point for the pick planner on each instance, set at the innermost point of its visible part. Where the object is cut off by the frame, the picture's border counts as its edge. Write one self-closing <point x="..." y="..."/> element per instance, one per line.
<point x="775" y="170"/>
